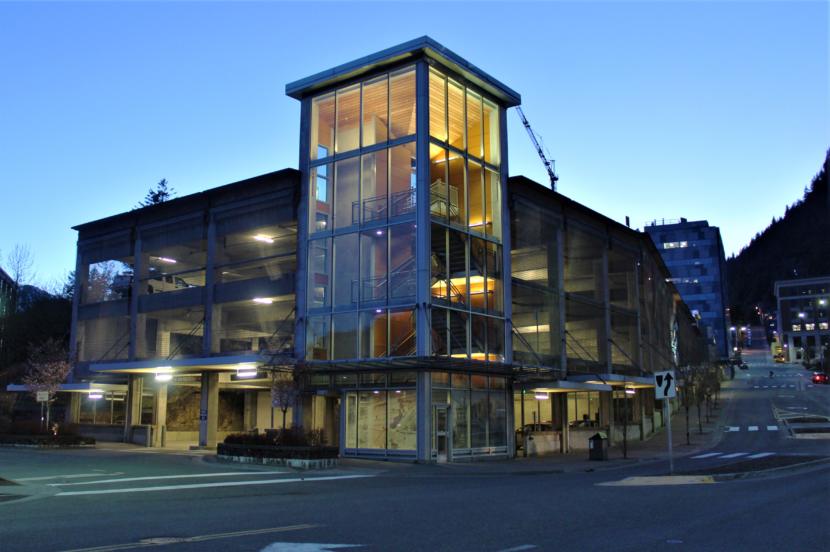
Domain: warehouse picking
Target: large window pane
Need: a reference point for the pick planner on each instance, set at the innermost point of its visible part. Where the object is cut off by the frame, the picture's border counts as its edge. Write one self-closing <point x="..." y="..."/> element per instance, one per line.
<point x="495" y="294"/>
<point x="346" y="257"/>
<point x="402" y="104"/>
<point x="478" y="419"/>
<point x="351" y="420"/>
<point x="438" y="332"/>
<point x="321" y="197"/>
<point x="373" y="266"/>
<point x="476" y="192"/>
<point x="439" y="280"/>
<point x="458" y="334"/>
<point x="478" y="268"/>
<point x="495" y="339"/>
<point x="437" y="105"/>
<point x="109" y="280"/>
<point x="478" y="337"/>
<point x="492" y="148"/>
<point x="402" y="420"/>
<point x="439" y="204"/>
<point x="375" y="111"/>
<point x="374" y="176"/>
<point x="346" y="192"/>
<point x="402" y="261"/>
<point x="461" y="418"/>
<point x="319" y="273"/>
<point x="348" y="119"/>
<point x="455" y="109"/>
<point x="492" y="200"/>
<point x="344" y="336"/>
<point x="318" y="337"/>
<point x="373" y="333"/>
<point x="174" y="258"/>
<point x="457" y="191"/>
<point x="457" y="255"/>
<point x="322" y="127"/>
<point x="474" y="133"/>
<point x="583" y="264"/>
<point x="104" y="338"/>
<point x="371" y="420"/>
<point x="402" y="333"/>
<point x="497" y="417"/>
<point x="403" y="179"/>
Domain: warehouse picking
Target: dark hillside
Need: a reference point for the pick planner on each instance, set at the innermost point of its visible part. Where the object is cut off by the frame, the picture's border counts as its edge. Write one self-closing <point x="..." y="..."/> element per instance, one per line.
<point x="794" y="246"/>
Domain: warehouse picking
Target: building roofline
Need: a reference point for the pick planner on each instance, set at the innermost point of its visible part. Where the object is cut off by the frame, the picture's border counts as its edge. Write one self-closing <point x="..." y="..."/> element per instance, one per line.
<point x="800" y="281"/>
<point x="5" y="276"/>
<point x="183" y="200"/>
<point x="421" y="46"/>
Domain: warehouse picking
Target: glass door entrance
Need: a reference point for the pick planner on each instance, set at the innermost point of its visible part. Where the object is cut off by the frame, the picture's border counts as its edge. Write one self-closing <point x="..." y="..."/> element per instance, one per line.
<point x="441" y="435"/>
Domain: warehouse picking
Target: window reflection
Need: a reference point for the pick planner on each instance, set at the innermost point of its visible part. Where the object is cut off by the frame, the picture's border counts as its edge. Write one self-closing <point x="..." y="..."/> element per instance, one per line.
<point x="375" y="111"/>
<point x="348" y="119"/>
<point x="402" y="103"/>
<point x="437" y="105"/>
<point x="322" y="126"/>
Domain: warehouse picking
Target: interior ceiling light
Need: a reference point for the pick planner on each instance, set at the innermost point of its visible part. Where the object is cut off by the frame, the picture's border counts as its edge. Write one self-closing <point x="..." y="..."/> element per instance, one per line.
<point x="167" y="260"/>
<point x="246" y="371"/>
<point x="164" y="376"/>
<point x="263" y="300"/>
<point x="263" y="238"/>
<point x="541" y="396"/>
<point x="95" y="395"/>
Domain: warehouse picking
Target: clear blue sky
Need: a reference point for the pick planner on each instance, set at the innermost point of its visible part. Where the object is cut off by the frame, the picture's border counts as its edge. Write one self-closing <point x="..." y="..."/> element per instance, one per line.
<point x="708" y="110"/>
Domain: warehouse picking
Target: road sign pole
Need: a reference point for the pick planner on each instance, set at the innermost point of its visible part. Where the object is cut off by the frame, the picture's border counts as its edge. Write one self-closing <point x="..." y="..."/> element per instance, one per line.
<point x="668" y="432"/>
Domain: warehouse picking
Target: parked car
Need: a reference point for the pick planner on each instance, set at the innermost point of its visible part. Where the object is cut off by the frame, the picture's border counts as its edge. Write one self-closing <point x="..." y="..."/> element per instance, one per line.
<point x="820" y="377"/>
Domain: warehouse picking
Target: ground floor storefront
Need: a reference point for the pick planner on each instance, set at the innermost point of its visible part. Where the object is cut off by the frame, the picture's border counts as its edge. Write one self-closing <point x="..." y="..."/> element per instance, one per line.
<point x="409" y="415"/>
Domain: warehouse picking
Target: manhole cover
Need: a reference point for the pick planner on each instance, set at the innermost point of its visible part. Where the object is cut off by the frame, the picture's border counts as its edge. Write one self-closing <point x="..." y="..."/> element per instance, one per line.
<point x="162" y="540"/>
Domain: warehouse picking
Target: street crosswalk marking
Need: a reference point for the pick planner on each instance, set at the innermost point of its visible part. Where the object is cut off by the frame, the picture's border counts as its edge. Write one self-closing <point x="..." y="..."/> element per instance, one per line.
<point x="721" y="455"/>
<point x="734" y="429"/>
<point x="772" y="428"/>
<point x="752" y="428"/>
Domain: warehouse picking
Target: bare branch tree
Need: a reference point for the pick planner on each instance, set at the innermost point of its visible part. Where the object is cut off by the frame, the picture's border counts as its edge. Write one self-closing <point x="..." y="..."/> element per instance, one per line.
<point x="284" y="392"/>
<point x="20" y="264"/>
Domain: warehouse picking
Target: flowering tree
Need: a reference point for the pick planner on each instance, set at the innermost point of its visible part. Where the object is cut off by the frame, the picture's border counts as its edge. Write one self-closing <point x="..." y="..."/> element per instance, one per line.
<point x="47" y="368"/>
<point x="284" y="392"/>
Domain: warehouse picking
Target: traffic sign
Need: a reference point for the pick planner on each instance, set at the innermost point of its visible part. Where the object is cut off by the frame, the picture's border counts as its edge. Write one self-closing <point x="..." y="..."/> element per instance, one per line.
<point x="665" y="385"/>
<point x="42" y="396"/>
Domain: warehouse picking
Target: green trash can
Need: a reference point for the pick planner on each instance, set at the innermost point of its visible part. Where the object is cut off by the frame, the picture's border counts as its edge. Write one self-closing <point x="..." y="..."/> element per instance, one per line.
<point x="598" y="446"/>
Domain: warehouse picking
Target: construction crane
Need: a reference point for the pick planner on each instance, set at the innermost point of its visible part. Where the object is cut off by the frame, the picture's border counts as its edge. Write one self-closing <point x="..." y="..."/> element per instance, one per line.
<point x="550" y="166"/>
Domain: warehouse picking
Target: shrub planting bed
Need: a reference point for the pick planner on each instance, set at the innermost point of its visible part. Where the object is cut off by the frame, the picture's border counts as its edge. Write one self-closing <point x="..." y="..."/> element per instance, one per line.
<point x="292" y="447"/>
<point x="46" y="441"/>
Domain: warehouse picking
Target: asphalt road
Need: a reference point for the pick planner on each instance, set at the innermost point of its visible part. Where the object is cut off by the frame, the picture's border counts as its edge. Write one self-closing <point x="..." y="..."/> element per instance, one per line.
<point x="118" y="498"/>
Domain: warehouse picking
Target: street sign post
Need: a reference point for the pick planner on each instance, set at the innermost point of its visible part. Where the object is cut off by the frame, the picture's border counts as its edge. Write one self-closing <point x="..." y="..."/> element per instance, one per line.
<point x="665" y="388"/>
<point x="42" y="396"/>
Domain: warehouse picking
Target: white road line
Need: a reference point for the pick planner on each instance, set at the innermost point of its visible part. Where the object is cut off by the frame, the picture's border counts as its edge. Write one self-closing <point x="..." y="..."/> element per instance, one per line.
<point x="707" y="455"/>
<point x="757" y="387"/>
<point x="772" y="428"/>
<point x="71" y="476"/>
<point x="211" y="485"/>
<point x="752" y="428"/>
<point x="761" y="455"/>
<point x="766" y="387"/>
<point x="519" y="548"/>
<point x="792" y="386"/>
<point x="734" y="455"/>
<point x="732" y="428"/>
<point x="150" y="478"/>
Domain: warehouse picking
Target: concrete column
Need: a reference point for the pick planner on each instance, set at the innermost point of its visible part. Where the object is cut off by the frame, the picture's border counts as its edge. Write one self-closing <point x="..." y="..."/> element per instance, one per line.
<point x="506" y="242"/>
<point x="135" y="388"/>
<point x="209" y="412"/>
<point x="249" y="417"/>
<point x="331" y="429"/>
<point x="160" y="433"/>
<point x="606" y="412"/>
<point x="641" y="405"/>
<point x="511" y="435"/>
<point x="605" y="341"/>
<point x="560" y="281"/>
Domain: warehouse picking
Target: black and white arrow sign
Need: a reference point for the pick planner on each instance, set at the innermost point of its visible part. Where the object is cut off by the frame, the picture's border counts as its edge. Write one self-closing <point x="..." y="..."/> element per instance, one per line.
<point x="664" y="385"/>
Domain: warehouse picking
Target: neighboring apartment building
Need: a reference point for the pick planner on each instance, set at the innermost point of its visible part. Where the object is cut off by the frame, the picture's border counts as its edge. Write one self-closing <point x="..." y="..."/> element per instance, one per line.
<point x="803" y="317"/>
<point x="693" y="251"/>
<point x="429" y="307"/>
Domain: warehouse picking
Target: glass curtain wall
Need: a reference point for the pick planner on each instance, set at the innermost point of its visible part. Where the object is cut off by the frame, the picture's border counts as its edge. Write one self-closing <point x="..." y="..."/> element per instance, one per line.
<point x="361" y="276"/>
<point x="479" y="412"/>
<point x="381" y="414"/>
<point x="465" y="207"/>
<point x="585" y="336"/>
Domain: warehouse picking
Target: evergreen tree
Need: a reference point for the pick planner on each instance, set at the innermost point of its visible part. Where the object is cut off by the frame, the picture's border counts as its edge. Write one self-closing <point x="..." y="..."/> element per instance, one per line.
<point x="159" y="194"/>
